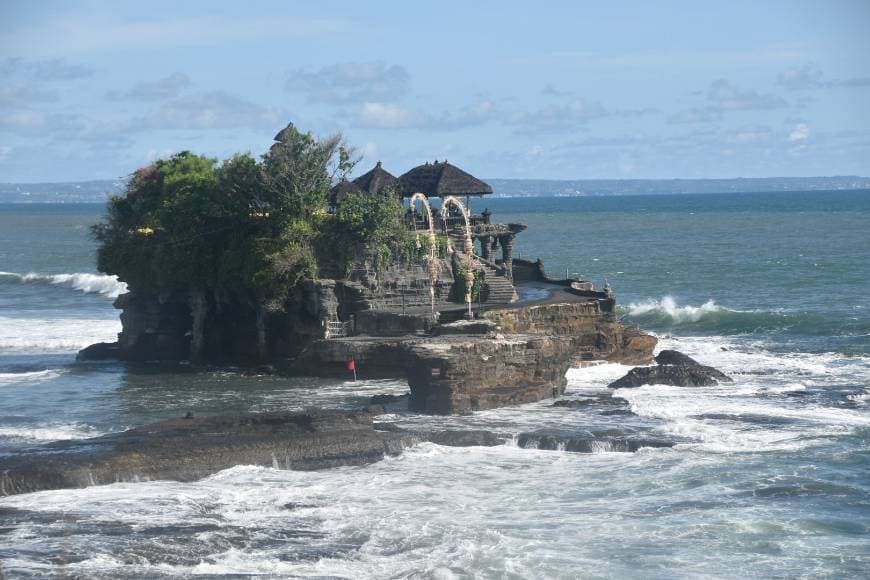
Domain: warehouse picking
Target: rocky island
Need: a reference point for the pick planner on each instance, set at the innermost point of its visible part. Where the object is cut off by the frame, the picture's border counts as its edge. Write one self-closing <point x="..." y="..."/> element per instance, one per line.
<point x="283" y="264"/>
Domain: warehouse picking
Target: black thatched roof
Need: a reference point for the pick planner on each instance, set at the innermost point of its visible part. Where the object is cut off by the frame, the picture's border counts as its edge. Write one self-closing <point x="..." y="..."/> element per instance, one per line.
<point x="340" y="191"/>
<point x="440" y="180"/>
<point x="378" y="179"/>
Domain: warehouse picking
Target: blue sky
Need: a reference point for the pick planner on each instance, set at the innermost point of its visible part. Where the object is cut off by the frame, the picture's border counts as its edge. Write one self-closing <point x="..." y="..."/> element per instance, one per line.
<point x="563" y="90"/>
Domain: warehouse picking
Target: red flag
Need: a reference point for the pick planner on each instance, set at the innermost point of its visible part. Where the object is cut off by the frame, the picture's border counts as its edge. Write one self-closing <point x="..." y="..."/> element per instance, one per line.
<point x="351" y="366"/>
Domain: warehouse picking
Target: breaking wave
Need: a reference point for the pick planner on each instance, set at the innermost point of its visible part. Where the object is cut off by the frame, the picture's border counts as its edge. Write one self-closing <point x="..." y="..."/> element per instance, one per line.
<point x="108" y="286"/>
<point x="667" y="315"/>
<point x="49" y="432"/>
<point x="33" y="335"/>
<point x="667" y="308"/>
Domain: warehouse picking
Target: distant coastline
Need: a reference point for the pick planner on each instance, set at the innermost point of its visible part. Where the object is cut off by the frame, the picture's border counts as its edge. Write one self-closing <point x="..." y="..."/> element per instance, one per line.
<point x="98" y="191"/>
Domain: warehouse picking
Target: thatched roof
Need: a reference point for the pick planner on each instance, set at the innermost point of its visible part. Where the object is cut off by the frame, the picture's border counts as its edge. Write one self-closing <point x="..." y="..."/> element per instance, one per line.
<point x="378" y="179"/>
<point x="340" y="191"/>
<point x="440" y="180"/>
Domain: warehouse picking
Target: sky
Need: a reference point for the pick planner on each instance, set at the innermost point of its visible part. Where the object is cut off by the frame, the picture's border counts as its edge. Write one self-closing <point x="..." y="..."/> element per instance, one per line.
<point x="558" y="90"/>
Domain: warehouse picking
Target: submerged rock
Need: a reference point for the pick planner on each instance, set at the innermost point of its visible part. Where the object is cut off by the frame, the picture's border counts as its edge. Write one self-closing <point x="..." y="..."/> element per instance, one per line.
<point x="389" y="399"/>
<point x="464" y="438"/>
<point x="100" y="351"/>
<point x="673" y="368"/>
<point x="591" y="443"/>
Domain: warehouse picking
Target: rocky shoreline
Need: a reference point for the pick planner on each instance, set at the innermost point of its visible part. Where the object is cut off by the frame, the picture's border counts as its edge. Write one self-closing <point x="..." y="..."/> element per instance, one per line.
<point x="190" y="448"/>
<point x="510" y="354"/>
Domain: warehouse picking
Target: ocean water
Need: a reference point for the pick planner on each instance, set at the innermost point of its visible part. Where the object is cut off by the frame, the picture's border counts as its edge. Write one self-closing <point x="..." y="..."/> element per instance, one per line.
<point x="770" y="476"/>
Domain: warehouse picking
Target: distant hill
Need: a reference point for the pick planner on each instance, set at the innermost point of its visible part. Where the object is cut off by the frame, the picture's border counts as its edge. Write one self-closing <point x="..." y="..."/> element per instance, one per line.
<point x="602" y="187"/>
<point x="99" y="191"/>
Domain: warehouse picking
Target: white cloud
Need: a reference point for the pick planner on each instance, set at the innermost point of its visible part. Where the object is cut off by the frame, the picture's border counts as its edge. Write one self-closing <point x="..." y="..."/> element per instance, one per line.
<point x="23" y="94"/>
<point x="165" y="88"/>
<point x="5" y="152"/>
<point x="54" y="69"/>
<point x="752" y="136"/>
<point x="351" y="82"/>
<point x="809" y="76"/>
<point x="213" y="110"/>
<point x="536" y="151"/>
<point x="385" y="116"/>
<point x="558" y="117"/>
<point x="723" y="96"/>
<point x="27" y="122"/>
<point x="801" y="132"/>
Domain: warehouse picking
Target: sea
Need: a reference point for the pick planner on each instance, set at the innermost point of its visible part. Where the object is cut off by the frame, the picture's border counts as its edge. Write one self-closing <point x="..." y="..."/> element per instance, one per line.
<point x="769" y="477"/>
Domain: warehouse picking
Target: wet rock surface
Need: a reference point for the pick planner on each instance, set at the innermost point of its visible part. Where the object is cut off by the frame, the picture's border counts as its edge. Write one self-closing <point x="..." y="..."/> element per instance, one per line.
<point x="187" y="449"/>
<point x="673" y="368"/>
<point x="606" y="441"/>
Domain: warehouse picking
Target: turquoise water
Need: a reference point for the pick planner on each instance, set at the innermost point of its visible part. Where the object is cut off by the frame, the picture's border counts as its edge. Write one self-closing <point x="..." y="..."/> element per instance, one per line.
<point x="770" y="477"/>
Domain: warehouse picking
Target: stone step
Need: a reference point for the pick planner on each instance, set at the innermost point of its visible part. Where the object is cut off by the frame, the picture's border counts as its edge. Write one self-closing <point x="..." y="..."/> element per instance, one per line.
<point x="499" y="290"/>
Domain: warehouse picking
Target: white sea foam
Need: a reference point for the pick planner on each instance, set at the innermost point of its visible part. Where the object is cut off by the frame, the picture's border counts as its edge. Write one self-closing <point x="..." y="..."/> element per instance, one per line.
<point x="31" y="376"/>
<point x="55" y="334"/>
<point x="49" y="432"/>
<point x="108" y="286"/>
<point x="668" y="306"/>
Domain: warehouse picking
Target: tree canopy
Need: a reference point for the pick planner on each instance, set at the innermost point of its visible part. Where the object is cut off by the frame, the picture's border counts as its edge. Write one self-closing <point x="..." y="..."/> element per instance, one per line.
<point x="259" y="226"/>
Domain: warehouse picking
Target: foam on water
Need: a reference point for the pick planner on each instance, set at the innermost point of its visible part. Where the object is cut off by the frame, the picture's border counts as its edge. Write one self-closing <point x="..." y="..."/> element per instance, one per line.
<point x="108" y="286"/>
<point x="30" y="376"/>
<point x="49" y="432"/>
<point x="668" y="306"/>
<point x="762" y="382"/>
<point x="506" y="512"/>
<point x="41" y="335"/>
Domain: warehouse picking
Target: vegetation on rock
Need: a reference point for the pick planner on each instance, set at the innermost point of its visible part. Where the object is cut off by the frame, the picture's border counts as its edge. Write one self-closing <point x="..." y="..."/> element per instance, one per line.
<point x="249" y="228"/>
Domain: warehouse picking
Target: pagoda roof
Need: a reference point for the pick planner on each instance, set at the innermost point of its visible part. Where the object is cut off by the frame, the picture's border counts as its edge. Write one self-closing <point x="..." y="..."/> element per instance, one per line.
<point x="377" y="179"/>
<point x="440" y="179"/>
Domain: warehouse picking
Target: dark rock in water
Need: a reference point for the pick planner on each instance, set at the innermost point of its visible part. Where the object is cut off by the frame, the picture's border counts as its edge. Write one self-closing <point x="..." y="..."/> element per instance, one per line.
<point x="675" y="357"/>
<point x="590" y="401"/>
<point x="587" y="443"/>
<point x="189" y="449"/>
<point x="296" y="506"/>
<point x="100" y="351"/>
<point x="752" y="418"/>
<point x="674" y="368"/>
<point x="574" y="403"/>
<point x="389" y="399"/>
<point x="464" y="438"/>
<point x="626" y="412"/>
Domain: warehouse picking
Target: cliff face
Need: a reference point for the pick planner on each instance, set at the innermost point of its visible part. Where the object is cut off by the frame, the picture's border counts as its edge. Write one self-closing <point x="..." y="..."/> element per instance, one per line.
<point x="523" y="358"/>
<point x="510" y="355"/>
<point x="223" y="327"/>
<point x="458" y="375"/>
<point x="513" y="356"/>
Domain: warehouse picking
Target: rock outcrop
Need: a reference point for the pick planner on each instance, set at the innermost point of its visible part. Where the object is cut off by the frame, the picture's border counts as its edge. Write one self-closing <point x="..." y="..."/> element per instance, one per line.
<point x="673" y="368"/>
<point x="191" y="448"/>
<point x="461" y="374"/>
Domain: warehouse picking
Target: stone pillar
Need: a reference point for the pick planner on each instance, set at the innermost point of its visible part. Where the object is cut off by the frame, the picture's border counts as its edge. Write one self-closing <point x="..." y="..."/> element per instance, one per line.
<point x="486" y="247"/>
<point x="507" y="249"/>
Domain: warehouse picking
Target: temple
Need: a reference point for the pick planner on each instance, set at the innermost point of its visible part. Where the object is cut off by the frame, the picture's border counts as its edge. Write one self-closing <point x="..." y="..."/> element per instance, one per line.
<point x="438" y="181"/>
<point x="448" y="307"/>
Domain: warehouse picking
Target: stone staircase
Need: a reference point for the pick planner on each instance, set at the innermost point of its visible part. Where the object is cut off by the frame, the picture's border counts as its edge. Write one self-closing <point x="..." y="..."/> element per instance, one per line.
<point x="497" y="289"/>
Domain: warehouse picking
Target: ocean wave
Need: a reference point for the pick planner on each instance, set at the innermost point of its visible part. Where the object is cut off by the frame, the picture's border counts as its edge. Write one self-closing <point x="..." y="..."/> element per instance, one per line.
<point x="11" y="378"/>
<point x="667" y="308"/>
<point x="49" y="432"/>
<point x="667" y="315"/>
<point x="108" y="286"/>
<point x="55" y="334"/>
